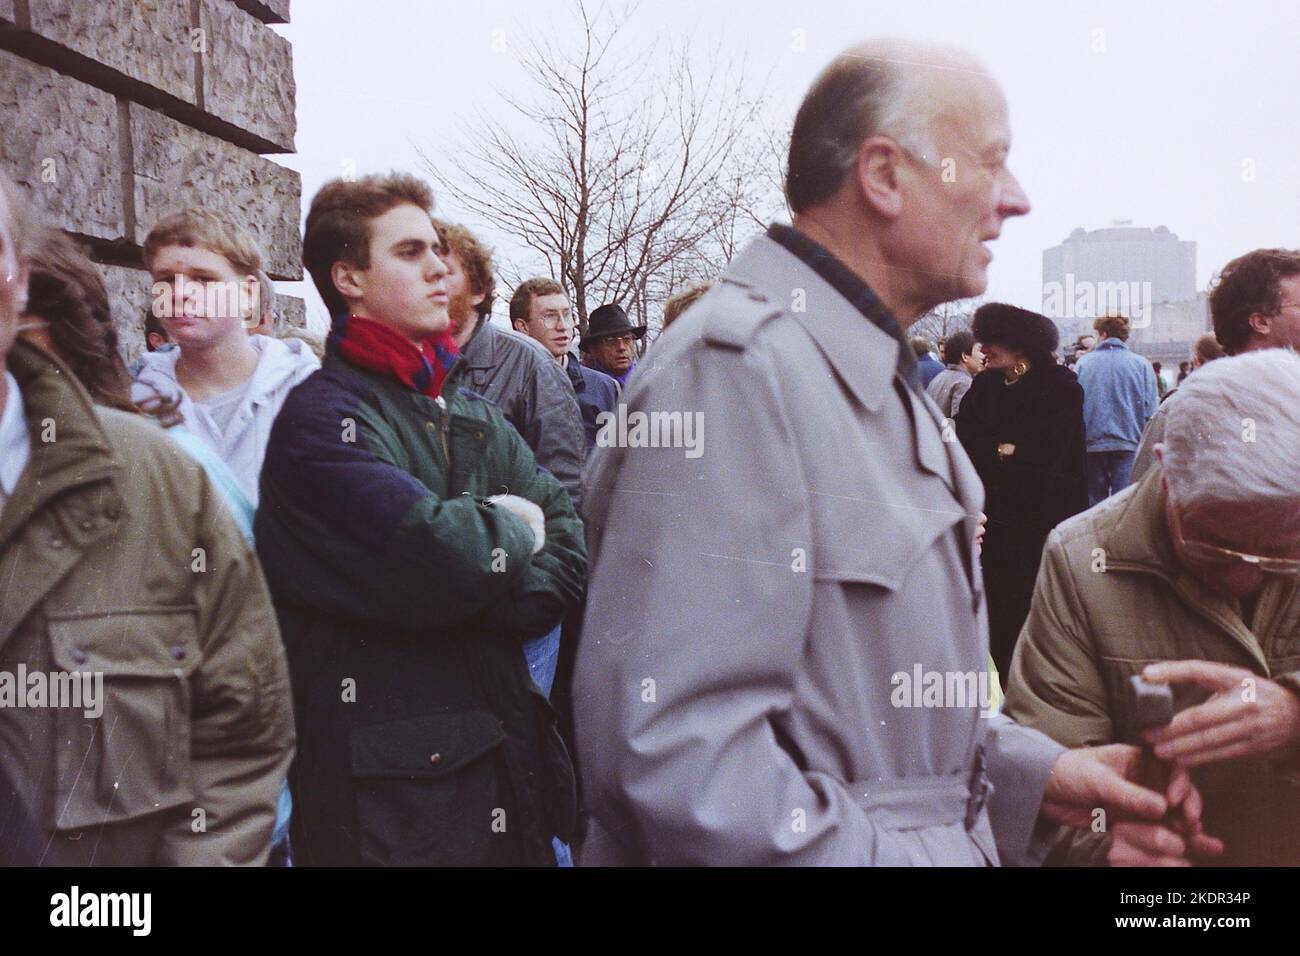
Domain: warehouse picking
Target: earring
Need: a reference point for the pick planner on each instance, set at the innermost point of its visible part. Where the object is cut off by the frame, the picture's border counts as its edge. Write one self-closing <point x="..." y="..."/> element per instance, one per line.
<point x="1020" y="369"/>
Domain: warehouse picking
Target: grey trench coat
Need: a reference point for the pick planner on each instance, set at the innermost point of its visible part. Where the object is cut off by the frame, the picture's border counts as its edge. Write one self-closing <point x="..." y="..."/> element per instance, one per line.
<point x="754" y="604"/>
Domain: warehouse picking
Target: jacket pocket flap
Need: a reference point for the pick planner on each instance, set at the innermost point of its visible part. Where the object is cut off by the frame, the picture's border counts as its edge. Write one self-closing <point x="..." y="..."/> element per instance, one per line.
<point x="878" y="542"/>
<point x="429" y="746"/>
<point x="152" y="643"/>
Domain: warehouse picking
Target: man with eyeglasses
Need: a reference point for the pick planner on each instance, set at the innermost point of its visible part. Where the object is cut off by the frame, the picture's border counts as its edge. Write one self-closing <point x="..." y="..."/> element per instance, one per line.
<point x="540" y="309"/>
<point x="1189" y="577"/>
<point x="610" y="342"/>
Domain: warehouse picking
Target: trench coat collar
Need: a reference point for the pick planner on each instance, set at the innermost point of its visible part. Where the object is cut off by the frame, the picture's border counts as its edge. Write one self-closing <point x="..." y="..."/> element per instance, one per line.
<point x="864" y="355"/>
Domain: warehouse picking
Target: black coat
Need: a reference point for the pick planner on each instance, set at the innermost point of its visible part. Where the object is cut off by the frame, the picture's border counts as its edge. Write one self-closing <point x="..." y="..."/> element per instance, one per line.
<point x="1026" y="494"/>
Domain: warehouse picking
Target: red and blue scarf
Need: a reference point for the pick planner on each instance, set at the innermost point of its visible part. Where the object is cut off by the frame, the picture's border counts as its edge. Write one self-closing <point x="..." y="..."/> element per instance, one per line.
<point x="377" y="348"/>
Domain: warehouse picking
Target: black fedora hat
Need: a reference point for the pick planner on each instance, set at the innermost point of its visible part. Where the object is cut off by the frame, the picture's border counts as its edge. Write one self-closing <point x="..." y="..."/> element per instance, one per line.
<point x="609" y="319"/>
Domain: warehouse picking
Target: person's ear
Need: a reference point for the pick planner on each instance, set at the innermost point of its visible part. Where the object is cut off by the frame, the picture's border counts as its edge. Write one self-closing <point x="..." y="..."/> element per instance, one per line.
<point x="1259" y="323"/>
<point x="520" y="325"/>
<point x="478" y="299"/>
<point x="878" y="176"/>
<point x="250" y="302"/>
<point x="348" y="280"/>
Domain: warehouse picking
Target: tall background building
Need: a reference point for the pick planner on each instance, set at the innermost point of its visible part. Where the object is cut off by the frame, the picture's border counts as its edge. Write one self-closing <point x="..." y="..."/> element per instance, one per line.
<point x="116" y="112"/>
<point x="1157" y="267"/>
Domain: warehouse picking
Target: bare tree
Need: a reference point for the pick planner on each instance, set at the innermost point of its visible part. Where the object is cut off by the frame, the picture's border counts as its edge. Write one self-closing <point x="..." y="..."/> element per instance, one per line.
<point x="943" y="320"/>
<point x="624" y="183"/>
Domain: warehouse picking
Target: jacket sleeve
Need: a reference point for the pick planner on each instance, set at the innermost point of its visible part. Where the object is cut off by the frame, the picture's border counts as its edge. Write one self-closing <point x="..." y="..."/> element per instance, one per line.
<point x="242" y="733"/>
<point x="1020" y="761"/>
<point x="345" y="528"/>
<point x="1150" y="393"/>
<point x="1056" y="424"/>
<point x="959" y="391"/>
<point x="1052" y="450"/>
<point x="553" y="580"/>
<point x="976" y="429"/>
<point x="694" y="636"/>
<point x="1152" y="435"/>
<point x="1056" y="684"/>
<point x="555" y="431"/>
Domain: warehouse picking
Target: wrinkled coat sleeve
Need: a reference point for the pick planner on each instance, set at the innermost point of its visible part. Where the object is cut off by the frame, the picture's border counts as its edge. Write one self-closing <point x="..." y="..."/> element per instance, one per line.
<point x="1056" y="685"/>
<point x="959" y="390"/>
<point x="242" y="732"/>
<point x="977" y="429"/>
<point x="345" y="528"/>
<point x="554" y="578"/>
<point x="694" y="638"/>
<point x="554" y="430"/>
<point x="1052" y="449"/>
<point x="1020" y="762"/>
<point x="1152" y="435"/>
<point x="1150" y="393"/>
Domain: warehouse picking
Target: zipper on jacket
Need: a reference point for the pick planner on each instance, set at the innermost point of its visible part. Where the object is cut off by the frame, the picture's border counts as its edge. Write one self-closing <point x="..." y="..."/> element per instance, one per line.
<point x="442" y="432"/>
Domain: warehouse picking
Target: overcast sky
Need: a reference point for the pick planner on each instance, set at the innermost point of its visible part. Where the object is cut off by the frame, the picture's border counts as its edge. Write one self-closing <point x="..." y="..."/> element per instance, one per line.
<point x="1183" y="113"/>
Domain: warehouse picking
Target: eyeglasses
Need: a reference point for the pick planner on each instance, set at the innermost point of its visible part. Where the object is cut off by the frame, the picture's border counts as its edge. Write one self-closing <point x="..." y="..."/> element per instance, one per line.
<point x="1212" y="554"/>
<point x="625" y="339"/>
<point x="551" y="320"/>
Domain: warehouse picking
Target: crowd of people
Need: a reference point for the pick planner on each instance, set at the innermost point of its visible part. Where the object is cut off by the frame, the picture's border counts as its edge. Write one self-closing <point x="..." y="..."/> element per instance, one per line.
<point x="396" y="599"/>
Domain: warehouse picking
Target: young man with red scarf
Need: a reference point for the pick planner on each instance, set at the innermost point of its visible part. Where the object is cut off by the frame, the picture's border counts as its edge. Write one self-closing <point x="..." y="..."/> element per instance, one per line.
<point x="411" y="545"/>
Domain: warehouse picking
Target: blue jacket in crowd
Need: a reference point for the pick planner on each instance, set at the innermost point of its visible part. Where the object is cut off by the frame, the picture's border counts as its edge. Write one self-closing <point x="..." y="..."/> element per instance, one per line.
<point x="1119" y="396"/>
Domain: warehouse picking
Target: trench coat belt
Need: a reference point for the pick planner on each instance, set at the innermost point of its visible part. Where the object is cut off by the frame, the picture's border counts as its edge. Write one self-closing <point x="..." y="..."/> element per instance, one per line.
<point x="918" y="802"/>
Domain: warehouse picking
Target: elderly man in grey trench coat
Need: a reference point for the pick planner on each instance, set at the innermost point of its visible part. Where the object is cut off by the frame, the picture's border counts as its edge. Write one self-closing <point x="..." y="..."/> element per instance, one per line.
<point x="785" y="646"/>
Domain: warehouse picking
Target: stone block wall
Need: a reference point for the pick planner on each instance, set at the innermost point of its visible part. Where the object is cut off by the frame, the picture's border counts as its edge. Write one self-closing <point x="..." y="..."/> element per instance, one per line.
<point x="116" y="112"/>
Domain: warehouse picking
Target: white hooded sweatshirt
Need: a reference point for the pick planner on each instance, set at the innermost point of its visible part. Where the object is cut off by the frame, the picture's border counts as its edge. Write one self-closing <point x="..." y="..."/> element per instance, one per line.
<point x="282" y="364"/>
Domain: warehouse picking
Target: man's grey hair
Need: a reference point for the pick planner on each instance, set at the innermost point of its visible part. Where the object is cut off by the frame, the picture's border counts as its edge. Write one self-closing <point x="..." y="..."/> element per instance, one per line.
<point x="877" y="88"/>
<point x="1232" y="432"/>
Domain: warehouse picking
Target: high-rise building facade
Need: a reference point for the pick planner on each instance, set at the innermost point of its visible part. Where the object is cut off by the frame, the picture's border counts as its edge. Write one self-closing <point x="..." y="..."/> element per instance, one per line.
<point x="1121" y="269"/>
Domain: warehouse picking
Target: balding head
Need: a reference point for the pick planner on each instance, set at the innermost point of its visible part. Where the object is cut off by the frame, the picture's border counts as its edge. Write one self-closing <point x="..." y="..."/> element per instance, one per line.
<point x="898" y="165"/>
<point x="887" y="87"/>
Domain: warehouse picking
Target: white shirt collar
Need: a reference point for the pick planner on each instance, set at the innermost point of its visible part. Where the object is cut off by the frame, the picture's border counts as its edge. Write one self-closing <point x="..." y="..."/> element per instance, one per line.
<point x="15" y="443"/>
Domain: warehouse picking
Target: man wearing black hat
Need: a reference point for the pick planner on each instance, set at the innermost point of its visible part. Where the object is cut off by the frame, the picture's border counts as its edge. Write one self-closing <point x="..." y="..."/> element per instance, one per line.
<point x="607" y="346"/>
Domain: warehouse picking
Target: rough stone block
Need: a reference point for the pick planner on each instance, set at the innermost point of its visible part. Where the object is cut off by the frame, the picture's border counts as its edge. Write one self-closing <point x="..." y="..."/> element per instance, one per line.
<point x="291" y="310"/>
<point x="176" y="166"/>
<point x="61" y="142"/>
<point x="129" y="297"/>
<point x="7" y="11"/>
<point x="147" y="40"/>
<point x="268" y="11"/>
<point x="247" y="73"/>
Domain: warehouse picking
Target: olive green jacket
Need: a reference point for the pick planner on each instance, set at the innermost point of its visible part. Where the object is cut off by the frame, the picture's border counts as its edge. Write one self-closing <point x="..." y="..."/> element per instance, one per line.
<point x="118" y="559"/>
<point x="1112" y="598"/>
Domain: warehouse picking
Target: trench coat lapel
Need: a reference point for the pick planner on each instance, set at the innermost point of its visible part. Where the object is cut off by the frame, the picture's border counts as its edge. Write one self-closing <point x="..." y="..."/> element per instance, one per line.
<point x="863" y="356"/>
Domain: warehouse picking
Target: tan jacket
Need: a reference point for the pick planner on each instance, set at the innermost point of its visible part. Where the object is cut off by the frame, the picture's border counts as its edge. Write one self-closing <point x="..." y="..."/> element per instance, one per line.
<point x="118" y="558"/>
<point x="1090" y="630"/>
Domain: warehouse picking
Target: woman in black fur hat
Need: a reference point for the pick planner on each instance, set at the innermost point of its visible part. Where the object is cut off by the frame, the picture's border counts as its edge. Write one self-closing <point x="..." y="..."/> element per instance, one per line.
<point x="1021" y="422"/>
